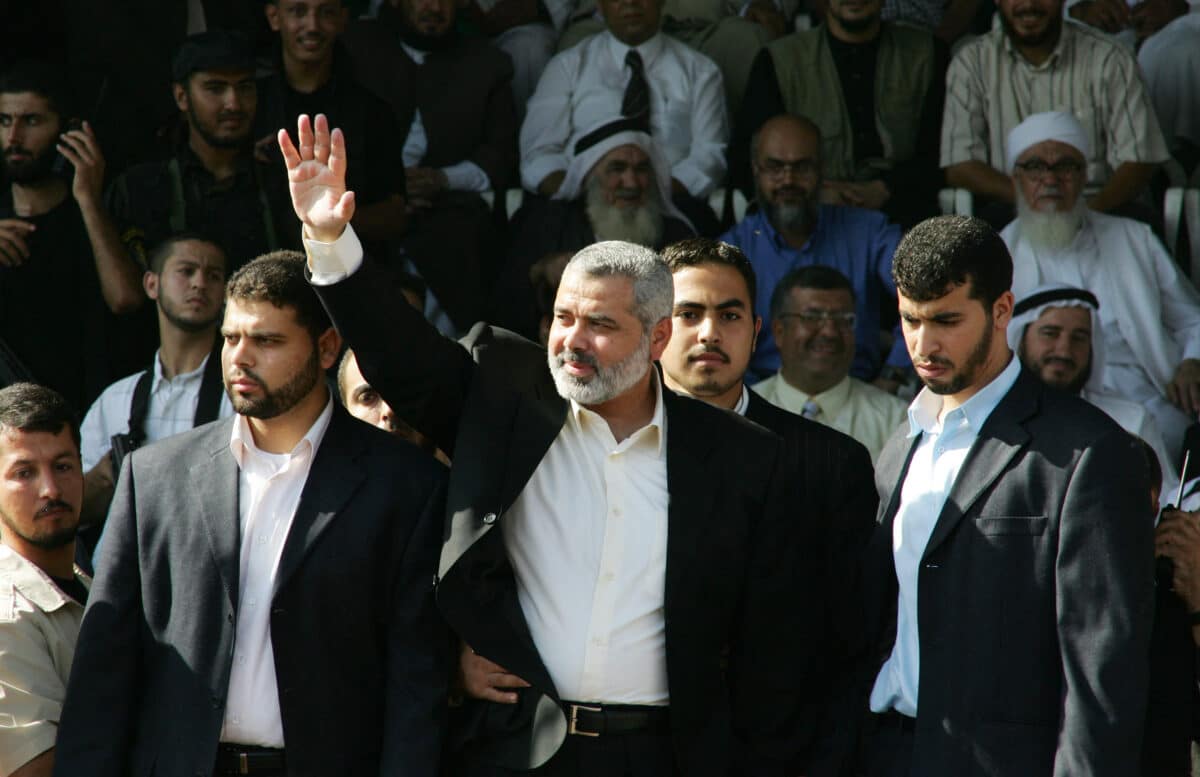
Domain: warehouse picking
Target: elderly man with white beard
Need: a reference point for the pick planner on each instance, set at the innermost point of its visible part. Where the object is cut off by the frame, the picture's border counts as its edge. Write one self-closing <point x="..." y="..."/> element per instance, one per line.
<point x="612" y="190"/>
<point x="1149" y="312"/>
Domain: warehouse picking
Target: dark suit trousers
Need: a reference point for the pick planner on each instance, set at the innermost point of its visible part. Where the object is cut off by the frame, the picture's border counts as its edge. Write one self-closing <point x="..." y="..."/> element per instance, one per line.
<point x="625" y="755"/>
<point x="887" y="749"/>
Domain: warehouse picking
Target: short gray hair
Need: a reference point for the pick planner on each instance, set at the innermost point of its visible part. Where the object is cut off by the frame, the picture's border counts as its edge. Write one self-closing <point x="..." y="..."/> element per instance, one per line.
<point x="653" y="286"/>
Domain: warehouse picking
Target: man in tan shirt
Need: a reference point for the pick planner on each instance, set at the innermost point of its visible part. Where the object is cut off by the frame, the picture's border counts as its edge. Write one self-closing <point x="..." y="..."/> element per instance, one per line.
<point x="41" y="592"/>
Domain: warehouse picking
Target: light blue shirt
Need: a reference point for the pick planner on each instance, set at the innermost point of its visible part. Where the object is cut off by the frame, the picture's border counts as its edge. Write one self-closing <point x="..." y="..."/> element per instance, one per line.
<point x="935" y="465"/>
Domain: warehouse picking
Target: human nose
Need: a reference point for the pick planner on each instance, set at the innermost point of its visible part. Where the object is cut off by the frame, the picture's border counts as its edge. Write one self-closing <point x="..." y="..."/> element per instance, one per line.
<point x="709" y="332"/>
<point x="50" y="488"/>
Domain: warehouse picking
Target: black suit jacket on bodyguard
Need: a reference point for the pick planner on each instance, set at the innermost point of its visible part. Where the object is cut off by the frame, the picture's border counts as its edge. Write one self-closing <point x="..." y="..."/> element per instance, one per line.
<point x="1035" y="595"/>
<point x="738" y="587"/>
<point x="360" y="653"/>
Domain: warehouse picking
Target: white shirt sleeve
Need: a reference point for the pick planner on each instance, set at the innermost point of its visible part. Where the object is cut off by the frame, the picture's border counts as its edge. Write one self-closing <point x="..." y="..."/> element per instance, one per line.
<point x="466" y="176"/>
<point x="704" y="167"/>
<point x="547" y="126"/>
<point x="336" y="261"/>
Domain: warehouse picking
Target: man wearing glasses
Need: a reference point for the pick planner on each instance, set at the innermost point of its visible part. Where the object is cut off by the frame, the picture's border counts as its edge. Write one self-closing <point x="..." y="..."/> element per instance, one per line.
<point x="791" y="229"/>
<point x="1149" y="312"/>
<point x="812" y="319"/>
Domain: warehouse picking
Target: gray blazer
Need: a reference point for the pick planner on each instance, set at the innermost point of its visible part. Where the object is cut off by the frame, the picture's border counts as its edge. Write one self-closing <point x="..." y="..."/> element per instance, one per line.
<point x="359" y="650"/>
<point x="1036" y="595"/>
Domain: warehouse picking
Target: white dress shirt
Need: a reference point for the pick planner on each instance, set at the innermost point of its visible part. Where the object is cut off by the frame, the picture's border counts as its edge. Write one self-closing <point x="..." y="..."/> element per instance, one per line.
<point x="587" y="538"/>
<point x="944" y="445"/>
<point x="171" y="410"/>
<point x="582" y="88"/>
<point x="464" y="176"/>
<point x="857" y="409"/>
<point x="269" y="488"/>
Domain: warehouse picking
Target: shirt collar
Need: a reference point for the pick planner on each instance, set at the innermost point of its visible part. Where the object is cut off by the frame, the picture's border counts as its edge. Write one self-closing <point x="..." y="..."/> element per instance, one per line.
<point x="923" y="412"/>
<point x="743" y="402"/>
<point x="585" y="418"/>
<point x="781" y="245"/>
<point x="34" y="584"/>
<point x="648" y="49"/>
<point x="831" y="401"/>
<point x="184" y="377"/>
<point x="241" y="443"/>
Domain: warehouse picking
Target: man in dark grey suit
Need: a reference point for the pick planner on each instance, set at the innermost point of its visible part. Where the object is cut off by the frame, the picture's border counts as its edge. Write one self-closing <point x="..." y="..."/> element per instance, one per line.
<point x="625" y="550"/>
<point x="1010" y="582"/>
<point x="263" y="602"/>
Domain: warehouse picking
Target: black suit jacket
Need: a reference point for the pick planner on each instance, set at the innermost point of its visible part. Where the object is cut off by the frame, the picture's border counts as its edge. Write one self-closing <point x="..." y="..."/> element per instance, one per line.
<point x="739" y="592"/>
<point x="835" y="502"/>
<point x="359" y="650"/>
<point x="1035" y="595"/>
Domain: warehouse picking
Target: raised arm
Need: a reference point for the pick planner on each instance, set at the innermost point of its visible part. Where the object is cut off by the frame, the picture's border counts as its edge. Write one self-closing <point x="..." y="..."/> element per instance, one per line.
<point x="423" y="376"/>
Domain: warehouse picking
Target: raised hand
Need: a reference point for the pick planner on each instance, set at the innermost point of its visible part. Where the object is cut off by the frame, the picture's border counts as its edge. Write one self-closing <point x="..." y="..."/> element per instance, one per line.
<point x="317" y="178"/>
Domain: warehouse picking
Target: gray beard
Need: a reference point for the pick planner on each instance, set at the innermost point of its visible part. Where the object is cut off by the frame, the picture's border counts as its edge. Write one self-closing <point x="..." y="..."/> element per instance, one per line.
<point x="608" y="382"/>
<point x="642" y="225"/>
<point x="1050" y="231"/>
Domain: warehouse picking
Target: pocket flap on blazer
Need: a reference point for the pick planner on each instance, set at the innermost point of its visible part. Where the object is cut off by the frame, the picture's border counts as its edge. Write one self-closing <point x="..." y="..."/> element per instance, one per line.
<point x="1011" y="524"/>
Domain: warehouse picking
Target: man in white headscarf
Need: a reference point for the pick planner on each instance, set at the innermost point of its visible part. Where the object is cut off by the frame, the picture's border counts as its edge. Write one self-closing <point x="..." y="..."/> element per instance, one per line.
<point x="1056" y="332"/>
<point x="1149" y="313"/>
<point x="616" y="187"/>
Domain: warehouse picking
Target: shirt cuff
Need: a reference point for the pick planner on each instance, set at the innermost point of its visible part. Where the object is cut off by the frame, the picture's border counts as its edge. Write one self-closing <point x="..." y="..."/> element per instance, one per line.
<point x="336" y="261"/>
<point x="466" y="176"/>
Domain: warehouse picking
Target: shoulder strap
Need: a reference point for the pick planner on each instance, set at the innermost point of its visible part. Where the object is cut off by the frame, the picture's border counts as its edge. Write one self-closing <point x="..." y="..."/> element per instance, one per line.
<point x="139" y="406"/>
<point x="208" y="404"/>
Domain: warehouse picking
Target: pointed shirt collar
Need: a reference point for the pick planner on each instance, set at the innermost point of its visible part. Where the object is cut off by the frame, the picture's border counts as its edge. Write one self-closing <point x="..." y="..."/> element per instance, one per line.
<point x="923" y="412"/>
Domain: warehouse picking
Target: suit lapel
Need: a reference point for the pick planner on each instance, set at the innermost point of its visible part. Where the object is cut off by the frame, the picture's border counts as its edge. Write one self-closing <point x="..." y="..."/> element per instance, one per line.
<point x="1001" y="438"/>
<point x="332" y="479"/>
<point x="213" y="488"/>
<point x="688" y="451"/>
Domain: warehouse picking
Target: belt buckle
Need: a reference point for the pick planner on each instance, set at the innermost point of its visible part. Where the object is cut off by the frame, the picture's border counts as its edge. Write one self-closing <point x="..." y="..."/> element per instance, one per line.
<point x="573" y="723"/>
<point x="243" y="763"/>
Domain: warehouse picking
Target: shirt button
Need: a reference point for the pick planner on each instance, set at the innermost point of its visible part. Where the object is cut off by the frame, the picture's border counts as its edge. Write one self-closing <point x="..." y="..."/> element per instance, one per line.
<point x="251" y="602"/>
<point x="489" y="518"/>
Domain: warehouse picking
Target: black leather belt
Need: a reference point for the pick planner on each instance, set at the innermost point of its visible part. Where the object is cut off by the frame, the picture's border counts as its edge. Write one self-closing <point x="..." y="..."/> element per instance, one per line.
<point x="248" y="759"/>
<point x="593" y="720"/>
<point x="897" y="720"/>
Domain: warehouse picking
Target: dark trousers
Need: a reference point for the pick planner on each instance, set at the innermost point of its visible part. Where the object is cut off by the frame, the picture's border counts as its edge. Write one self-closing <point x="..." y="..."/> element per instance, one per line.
<point x="625" y="755"/>
<point x="887" y="748"/>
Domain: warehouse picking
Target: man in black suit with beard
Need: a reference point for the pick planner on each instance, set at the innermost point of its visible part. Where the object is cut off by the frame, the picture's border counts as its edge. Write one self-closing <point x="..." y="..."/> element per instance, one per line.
<point x="675" y="641"/>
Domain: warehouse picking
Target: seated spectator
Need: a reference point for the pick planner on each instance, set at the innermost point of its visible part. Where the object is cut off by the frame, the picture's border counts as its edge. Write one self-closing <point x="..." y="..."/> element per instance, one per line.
<point x="527" y="31"/>
<point x="452" y="94"/>
<point x="1149" y="312"/>
<point x="182" y="387"/>
<point x="1056" y="333"/>
<point x="1170" y="61"/>
<point x="63" y="272"/>
<point x="42" y="595"/>
<point x="632" y="70"/>
<point x="364" y="403"/>
<point x="313" y="74"/>
<point x="790" y="229"/>
<point x="614" y="189"/>
<point x="880" y="121"/>
<point x="211" y="184"/>
<point x="812" y="315"/>
<point x="1035" y="62"/>
<point x="728" y="32"/>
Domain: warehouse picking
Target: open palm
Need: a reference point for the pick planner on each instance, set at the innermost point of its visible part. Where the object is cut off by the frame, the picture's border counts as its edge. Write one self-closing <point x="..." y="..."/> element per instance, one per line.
<point x="317" y="178"/>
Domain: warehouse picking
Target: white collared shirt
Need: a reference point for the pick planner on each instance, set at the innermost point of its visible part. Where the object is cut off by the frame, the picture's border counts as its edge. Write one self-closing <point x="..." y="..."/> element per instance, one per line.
<point x="853" y="407"/>
<point x="582" y="88"/>
<point x="587" y="538"/>
<point x="171" y="410"/>
<point x="935" y="465"/>
<point x="269" y="488"/>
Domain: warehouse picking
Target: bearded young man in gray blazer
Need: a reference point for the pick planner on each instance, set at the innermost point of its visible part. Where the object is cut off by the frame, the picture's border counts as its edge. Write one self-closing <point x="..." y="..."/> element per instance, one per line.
<point x="625" y="550"/>
<point x="263" y="601"/>
<point x="1010" y="582"/>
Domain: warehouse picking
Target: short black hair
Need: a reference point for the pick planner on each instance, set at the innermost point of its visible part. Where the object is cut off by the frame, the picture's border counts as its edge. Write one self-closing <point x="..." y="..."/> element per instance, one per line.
<point x="44" y="79"/>
<point x="696" y="251"/>
<point x="29" y="407"/>
<point x="162" y="252"/>
<point x="278" y="278"/>
<point x="945" y="252"/>
<point x="816" y="276"/>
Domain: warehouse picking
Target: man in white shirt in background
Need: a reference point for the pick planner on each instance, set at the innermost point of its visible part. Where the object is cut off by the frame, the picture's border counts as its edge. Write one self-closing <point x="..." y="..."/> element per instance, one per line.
<point x="812" y="314"/>
<point x="186" y="280"/>
<point x="1149" y="311"/>
<point x="630" y="70"/>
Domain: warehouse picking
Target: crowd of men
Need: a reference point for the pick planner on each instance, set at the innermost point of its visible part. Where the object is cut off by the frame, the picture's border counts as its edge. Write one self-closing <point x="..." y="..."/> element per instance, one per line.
<point x="319" y="458"/>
